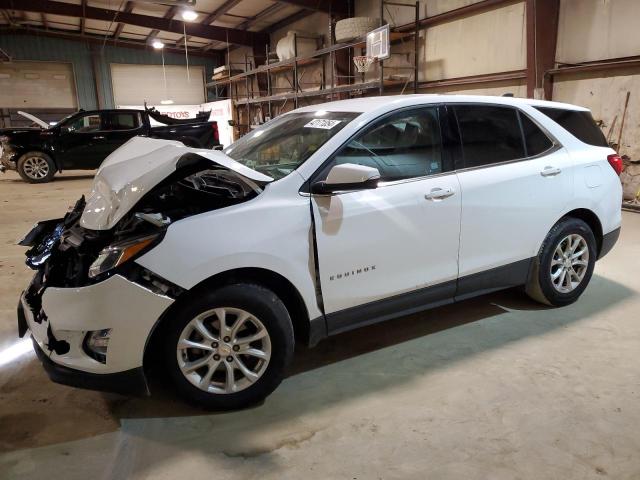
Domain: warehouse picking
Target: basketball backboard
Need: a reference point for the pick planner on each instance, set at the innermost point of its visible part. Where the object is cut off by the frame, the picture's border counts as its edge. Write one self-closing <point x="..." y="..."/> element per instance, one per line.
<point x="378" y="43"/>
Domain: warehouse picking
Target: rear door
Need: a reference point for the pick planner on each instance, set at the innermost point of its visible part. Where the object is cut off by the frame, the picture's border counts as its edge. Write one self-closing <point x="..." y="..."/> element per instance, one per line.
<point x="120" y="126"/>
<point x="382" y="248"/>
<point x="515" y="182"/>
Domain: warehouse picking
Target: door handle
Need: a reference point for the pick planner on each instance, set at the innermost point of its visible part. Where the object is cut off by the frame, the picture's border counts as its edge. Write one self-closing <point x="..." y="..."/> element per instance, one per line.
<point x="550" y="171"/>
<point x="99" y="137"/>
<point x="439" y="193"/>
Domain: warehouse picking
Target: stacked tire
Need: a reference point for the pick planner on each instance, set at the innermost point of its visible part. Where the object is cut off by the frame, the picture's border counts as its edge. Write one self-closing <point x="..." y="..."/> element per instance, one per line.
<point x="355" y="27"/>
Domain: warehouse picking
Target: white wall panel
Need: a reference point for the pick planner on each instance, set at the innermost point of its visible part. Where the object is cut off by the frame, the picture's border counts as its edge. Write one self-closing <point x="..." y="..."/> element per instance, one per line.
<point x="490" y="42"/>
<point x="135" y="84"/>
<point x="37" y="85"/>
<point x="597" y="29"/>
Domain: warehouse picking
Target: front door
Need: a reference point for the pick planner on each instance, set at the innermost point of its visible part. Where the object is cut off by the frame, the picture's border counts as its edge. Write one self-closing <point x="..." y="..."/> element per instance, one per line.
<point x="82" y="142"/>
<point x="382" y="249"/>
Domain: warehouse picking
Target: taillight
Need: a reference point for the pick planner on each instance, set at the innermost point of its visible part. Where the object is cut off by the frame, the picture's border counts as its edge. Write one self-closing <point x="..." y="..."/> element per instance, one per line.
<point x="216" y="135"/>
<point x="615" y="161"/>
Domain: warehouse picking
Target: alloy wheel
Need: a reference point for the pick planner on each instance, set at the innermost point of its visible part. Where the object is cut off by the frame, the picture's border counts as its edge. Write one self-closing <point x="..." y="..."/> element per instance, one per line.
<point x="36" y="168"/>
<point x="223" y="350"/>
<point x="569" y="263"/>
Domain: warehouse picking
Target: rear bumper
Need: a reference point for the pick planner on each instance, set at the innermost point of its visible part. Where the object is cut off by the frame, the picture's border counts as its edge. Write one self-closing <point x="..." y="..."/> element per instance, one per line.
<point x="608" y="241"/>
<point x="130" y="382"/>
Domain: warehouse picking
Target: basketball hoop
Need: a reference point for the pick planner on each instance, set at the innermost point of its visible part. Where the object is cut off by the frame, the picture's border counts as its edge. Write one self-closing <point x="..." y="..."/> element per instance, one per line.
<point x="363" y="62"/>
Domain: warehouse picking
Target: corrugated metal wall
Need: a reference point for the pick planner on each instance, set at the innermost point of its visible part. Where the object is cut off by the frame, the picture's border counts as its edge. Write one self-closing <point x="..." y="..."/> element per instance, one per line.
<point x="33" y="47"/>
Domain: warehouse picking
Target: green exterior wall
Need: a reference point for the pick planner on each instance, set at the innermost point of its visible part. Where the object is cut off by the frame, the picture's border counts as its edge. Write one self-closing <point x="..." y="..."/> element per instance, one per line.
<point x="78" y="52"/>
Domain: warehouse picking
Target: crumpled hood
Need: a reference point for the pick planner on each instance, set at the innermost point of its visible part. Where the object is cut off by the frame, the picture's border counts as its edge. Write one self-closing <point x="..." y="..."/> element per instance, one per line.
<point x="137" y="167"/>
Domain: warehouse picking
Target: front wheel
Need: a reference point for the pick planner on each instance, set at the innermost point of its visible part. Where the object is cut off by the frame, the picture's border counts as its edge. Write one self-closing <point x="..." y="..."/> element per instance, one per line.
<point x="36" y="167"/>
<point x="229" y="348"/>
<point x="564" y="265"/>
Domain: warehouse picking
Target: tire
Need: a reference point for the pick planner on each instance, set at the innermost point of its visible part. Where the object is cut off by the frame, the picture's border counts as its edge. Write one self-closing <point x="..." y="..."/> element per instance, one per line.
<point x="36" y="167"/>
<point x="355" y="27"/>
<point x="547" y="283"/>
<point x="188" y="368"/>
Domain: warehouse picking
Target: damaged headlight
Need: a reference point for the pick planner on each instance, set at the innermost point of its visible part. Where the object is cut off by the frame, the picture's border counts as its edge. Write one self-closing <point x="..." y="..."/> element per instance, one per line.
<point x="118" y="253"/>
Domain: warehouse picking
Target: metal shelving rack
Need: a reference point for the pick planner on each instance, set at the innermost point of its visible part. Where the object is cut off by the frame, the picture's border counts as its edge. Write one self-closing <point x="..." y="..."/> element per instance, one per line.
<point x="328" y="87"/>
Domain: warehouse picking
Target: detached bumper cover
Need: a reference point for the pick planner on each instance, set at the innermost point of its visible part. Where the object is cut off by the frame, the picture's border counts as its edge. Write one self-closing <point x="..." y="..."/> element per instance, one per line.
<point x="59" y="319"/>
<point x="131" y="382"/>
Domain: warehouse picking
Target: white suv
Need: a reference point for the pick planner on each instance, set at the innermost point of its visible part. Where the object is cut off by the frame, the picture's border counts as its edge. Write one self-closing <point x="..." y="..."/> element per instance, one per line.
<point x="209" y="265"/>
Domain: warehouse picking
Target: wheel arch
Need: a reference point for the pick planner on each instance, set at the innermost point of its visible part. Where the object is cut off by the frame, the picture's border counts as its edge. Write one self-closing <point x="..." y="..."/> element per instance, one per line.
<point x="590" y="218"/>
<point x="275" y="282"/>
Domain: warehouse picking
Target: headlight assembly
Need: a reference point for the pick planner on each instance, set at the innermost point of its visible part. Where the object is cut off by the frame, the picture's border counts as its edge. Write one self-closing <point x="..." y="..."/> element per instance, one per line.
<point x="118" y="253"/>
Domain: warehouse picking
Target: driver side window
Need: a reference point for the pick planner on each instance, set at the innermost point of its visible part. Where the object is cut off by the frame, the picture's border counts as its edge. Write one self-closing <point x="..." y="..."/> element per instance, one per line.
<point x="85" y="124"/>
<point x="403" y="145"/>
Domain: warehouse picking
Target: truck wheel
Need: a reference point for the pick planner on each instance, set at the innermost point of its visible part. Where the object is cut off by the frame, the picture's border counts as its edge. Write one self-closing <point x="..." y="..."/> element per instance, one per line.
<point x="36" y="167"/>
<point x="229" y="348"/>
<point x="564" y="265"/>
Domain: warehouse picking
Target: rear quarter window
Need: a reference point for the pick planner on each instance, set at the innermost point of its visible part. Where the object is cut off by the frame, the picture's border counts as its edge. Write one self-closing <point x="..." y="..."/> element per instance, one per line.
<point x="580" y="124"/>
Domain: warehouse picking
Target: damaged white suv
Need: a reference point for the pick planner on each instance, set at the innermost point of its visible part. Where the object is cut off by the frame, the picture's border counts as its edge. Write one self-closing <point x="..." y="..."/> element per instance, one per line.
<point x="208" y="265"/>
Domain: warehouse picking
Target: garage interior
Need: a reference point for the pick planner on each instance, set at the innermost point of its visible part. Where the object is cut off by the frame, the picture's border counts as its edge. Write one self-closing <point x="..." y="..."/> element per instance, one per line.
<point x="494" y="387"/>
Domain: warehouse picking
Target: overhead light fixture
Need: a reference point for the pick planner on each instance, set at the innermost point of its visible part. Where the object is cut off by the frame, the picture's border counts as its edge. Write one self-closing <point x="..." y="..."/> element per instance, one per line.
<point x="189" y="15"/>
<point x="166" y="102"/>
<point x="157" y="44"/>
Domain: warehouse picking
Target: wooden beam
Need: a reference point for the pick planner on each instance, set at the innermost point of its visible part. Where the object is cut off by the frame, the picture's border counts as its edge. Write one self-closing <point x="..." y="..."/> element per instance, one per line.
<point x="220" y="11"/>
<point x="127" y="8"/>
<point x="98" y="39"/>
<point x="299" y="15"/>
<point x="240" y="37"/>
<point x="597" y="66"/>
<point x="475" y="79"/>
<point x="270" y="10"/>
<point x="336" y="7"/>
<point x="170" y="13"/>
<point x="542" y="35"/>
<point x="458" y="13"/>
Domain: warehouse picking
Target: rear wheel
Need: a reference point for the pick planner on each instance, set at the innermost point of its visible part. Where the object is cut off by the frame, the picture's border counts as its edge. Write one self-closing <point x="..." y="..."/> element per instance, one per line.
<point x="36" y="167"/>
<point x="565" y="263"/>
<point x="229" y="348"/>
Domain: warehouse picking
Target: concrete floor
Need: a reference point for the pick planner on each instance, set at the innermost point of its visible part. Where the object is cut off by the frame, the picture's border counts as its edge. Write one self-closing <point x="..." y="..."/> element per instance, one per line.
<point x="497" y="387"/>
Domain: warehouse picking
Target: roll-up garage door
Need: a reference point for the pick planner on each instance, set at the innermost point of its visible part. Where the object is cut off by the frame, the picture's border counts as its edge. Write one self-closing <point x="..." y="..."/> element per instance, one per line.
<point x="30" y="85"/>
<point x="135" y="84"/>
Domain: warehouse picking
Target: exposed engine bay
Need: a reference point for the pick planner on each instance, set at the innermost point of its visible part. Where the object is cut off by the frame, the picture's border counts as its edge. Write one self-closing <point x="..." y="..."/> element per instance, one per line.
<point x="65" y="253"/>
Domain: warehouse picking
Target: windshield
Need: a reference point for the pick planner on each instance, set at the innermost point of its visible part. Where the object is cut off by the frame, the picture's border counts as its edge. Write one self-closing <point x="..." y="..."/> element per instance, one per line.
<point x="280" y="146"/>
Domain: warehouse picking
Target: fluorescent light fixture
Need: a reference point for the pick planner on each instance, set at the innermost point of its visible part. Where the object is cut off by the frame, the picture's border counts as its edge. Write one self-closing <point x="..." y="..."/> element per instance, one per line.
<point x="15" y="351"/>
<point x="166" y="102"/>
<point x="157" y="44"/>
<point x="189" y="15"/>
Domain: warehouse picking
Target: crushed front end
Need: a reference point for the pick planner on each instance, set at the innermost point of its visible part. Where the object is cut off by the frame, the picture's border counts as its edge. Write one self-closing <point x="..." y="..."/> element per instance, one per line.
<point x="90" y="307"/>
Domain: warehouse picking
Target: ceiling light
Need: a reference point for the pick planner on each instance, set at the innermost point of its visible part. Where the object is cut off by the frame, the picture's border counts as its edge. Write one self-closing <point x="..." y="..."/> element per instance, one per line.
<point x="189" y="15"/>
<point x="157" y="44"/>
<point x="166" y="102"/>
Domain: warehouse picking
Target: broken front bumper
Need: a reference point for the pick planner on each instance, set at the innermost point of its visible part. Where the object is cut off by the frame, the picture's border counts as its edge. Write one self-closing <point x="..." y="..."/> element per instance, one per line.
<point x="60" y="318"/>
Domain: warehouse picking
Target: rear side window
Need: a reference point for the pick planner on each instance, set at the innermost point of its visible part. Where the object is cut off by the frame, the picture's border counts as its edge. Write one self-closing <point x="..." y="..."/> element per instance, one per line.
<point x="580" y="124"/>
<point x="123" y="121"/>
<point x="490" y="134"/>
<point x="535" y="139"/>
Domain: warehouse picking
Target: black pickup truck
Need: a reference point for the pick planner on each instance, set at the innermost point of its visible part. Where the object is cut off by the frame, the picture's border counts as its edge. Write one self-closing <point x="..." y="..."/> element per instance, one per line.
<point x="83" y="140"/>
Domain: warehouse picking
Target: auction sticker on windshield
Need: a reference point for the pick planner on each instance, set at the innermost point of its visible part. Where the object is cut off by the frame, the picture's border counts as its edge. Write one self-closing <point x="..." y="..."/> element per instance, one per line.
<point x="323" y="123"/>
